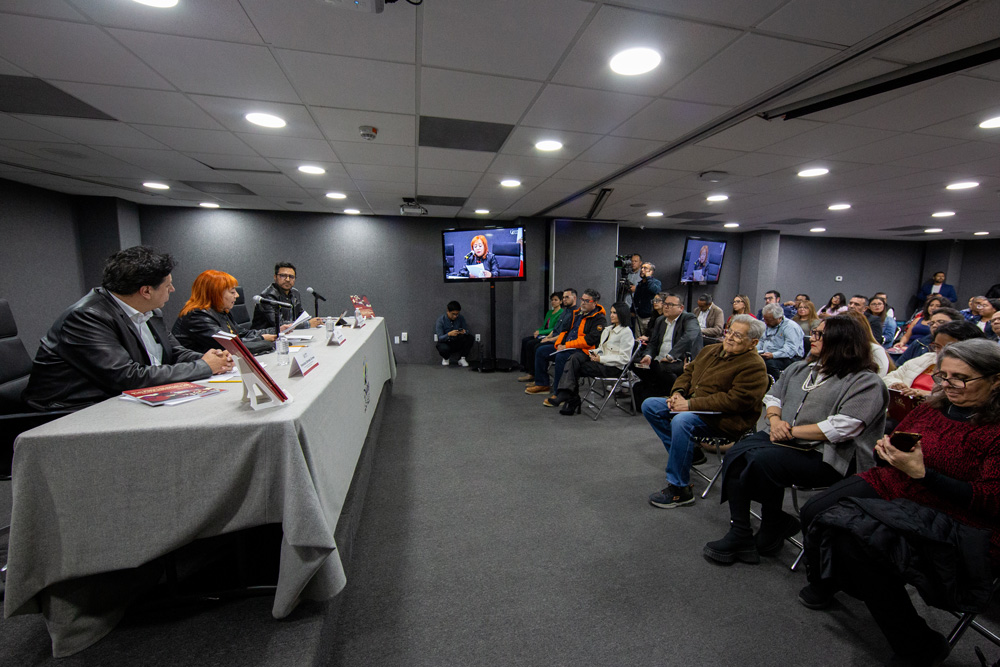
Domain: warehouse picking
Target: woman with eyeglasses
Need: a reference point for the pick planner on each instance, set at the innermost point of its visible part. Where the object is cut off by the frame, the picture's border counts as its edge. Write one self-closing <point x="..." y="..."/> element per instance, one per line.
<point x="824" y="415"/>
<point x="914" y="377"/>
<point x="878" y="307"/>
<point x="206" y="313"/>
<point x="918" y="327"/>
<point x="941" y="530"/>
<point x="741" y="306"/>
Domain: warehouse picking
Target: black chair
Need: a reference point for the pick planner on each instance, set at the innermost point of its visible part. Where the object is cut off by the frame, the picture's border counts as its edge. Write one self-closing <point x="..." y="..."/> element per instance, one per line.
<point x="968" y="620"/>
<point x="508" y="258"/>
<point x="239" y="310"/>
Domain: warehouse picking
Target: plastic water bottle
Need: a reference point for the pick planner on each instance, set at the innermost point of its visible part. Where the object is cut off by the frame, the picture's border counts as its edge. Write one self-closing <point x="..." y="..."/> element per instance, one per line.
<point x="281" y="345"/>
<point x="329" y="325"/>
<point x="358" y="317"/>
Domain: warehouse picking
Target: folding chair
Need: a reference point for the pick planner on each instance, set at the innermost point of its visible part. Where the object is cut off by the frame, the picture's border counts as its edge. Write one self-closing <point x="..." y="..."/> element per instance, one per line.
<point x="610" y="387"/>
<point x="968" y="619"/>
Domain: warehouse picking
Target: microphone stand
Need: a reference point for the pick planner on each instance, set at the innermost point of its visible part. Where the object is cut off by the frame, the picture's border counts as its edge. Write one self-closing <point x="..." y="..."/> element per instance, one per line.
<point x="315" y="305"/>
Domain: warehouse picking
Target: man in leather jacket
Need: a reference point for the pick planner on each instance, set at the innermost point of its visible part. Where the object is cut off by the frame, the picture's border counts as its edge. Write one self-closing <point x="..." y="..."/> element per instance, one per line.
<point x="267" y="315"/>
<point x="114" y="339"/>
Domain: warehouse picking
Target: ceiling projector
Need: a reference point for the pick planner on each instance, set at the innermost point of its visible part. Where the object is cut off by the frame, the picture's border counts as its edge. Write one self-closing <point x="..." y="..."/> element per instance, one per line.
<point x="411" y="207"/>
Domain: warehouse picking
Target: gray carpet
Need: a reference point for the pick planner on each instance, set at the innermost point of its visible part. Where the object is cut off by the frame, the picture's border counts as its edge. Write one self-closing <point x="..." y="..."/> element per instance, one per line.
<point x="499" y="532"/>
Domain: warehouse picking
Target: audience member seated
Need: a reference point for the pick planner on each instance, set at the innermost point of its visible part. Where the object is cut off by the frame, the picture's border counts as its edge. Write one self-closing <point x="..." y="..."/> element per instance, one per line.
<point x="728" y="379"/>
<point x="971" y="314"/>
<point x="774" y="296"/>
<point x="889" y="312"/>
<point x="995" y="325"/>
<point x="453" y="338"/>
<point x="986" y="309"/>
<point x="782" y="341"/>
<point x="812" y="442"/>
<point x="711" y="319"/>
<point x="859" y="304"/>
<point x="530" y="343"/>
<point x="835" y="306"/>
<point x="948" y="482"/>
<point x="919" y="346"/>
<point x="918" y="327"/>
<point x="879" y="355"/>
<point x="676" y="339"/>
<point x="937" y="285"/>
<point x="913" y="378"/>
<point x="547" y="346"/>
<point x="805" y="317"/>
<point x="879" y="309"/>
<point x="741" y="306"/>
<point x="799" y="298"/>
<point x="608" y="359"/>
<point x="114" y="339"/>
<point x="583" y="333"/>
<point x="206" y="313"/>
<point x="642" y="298"/>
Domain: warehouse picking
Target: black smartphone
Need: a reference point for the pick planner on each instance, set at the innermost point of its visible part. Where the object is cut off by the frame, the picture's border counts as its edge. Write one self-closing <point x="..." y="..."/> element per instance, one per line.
<point x="903" y="441"/>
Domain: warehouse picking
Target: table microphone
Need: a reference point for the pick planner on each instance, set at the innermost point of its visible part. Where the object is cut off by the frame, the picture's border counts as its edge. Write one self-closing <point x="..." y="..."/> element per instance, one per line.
<point x="316" y="294"/>
<point x="258" y="299"/>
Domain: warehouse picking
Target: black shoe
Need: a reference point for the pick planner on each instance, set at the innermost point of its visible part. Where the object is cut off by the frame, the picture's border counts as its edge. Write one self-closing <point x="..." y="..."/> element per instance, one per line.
<point x="816" y="596"/>
<point x="698" y="456"/>
<point x="731" y="549"/>
<point x="769" y="540"/>
<point x="672" y="496"/>
<point x="571" y="407"/>
<point x="934" y="653"/>
<point x="560" y="397"/>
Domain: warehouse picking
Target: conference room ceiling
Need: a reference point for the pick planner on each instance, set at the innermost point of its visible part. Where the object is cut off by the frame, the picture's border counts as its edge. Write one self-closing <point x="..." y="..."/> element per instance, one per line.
<point x="99" y="96"/>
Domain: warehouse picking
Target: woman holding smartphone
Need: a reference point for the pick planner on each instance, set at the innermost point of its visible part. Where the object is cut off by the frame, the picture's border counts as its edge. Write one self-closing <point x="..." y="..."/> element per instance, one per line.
<point x="945" y="458"/>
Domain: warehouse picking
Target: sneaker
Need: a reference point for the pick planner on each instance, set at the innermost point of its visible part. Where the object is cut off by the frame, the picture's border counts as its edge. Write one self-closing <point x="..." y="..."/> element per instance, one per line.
<point x="815" y="597"/>
<point x="672" y="496"/>
<point x="698" y="456"/>
<point x="537" y="389"/>
<point x="462" y="362"/>
<point x="444" y="362"/>
<point x="526" y="378"/>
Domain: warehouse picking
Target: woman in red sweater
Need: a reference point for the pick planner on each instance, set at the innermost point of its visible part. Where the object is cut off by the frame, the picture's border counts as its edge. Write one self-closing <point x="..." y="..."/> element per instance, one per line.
<point x="954" y="470"/>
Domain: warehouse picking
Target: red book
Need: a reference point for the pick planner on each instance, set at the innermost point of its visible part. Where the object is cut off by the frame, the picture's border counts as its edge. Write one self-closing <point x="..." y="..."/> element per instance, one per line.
<point x="168" y="394"/>
<point x="361" y="303"/>
<point x="235" y="347"/>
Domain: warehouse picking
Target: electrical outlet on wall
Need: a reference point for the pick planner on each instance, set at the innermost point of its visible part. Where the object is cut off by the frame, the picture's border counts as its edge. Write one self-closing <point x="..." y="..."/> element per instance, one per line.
<point x="477" y="338"/>
<point x="397" y="340"/>
<point x="435" y="338"/>
<point x="402" y="336"/>
<point x="839" y="279"/>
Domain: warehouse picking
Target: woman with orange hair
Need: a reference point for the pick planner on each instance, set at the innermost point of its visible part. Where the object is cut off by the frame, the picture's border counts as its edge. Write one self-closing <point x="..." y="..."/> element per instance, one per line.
<point x="207" y="312"/>
<point x="481" y="255"/>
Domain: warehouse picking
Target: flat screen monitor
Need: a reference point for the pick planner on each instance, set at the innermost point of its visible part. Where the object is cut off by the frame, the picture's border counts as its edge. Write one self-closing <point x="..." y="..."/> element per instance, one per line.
<point x="481" y="255"/>
<point x="702" y="261"/>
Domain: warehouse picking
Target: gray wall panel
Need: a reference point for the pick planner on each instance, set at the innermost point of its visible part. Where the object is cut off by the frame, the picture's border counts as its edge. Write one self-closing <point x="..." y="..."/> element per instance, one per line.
<point x="982" y="269"/>
<point x="584" y="257"/>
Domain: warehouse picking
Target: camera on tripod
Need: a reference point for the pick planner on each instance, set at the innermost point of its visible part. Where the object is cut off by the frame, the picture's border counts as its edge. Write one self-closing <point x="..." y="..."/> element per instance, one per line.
<point x="624" y="261"/>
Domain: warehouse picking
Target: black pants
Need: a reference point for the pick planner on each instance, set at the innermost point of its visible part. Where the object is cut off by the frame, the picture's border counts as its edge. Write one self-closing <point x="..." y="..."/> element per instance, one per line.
<point x="775" y="366"/>
<point x="657" y="380"/>
<point x="875" y="583"/>
<point x="579" y="365"/>
<point x="449" y="346"/>
<point x="528" y="346"/>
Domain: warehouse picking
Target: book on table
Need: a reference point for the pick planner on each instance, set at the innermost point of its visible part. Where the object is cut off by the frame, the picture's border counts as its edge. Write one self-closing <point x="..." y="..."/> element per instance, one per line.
<point x="361" y="303"/>
<point x="170" y="394"/>
<point x="235" y="347"/>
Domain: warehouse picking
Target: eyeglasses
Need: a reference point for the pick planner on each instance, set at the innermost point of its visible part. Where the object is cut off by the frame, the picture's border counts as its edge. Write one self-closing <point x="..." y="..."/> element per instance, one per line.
<point x="735" y="335"/>
<point x="667" y="304"/>
<point x="954" y="382"/>
<point x="657" y="300"/>
<point x="586" y="300"/>
<point x="817" y="334"/>
<point x="286" y="276"/>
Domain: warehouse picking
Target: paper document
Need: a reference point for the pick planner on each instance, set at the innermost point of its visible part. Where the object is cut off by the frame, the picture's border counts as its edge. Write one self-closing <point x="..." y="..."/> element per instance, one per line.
<point x="476" y="270"/>
<point x="300" y="319"/>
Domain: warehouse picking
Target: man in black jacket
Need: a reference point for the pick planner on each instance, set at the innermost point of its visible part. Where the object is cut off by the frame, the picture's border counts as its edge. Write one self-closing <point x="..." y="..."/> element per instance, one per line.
<point x="675" y="339"/>
<point x="267" y="315"/>
<point x="114" y="339"/>
<point x="642" y="297"/>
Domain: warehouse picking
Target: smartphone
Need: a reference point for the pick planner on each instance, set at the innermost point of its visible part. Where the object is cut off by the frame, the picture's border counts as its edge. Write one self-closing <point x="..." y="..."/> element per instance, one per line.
<point x="903" y="441"/>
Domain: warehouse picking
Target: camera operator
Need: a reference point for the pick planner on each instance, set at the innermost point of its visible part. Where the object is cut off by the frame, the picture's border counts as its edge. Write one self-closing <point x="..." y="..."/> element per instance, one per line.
<point x="633" y="277"/>
<point x="642" y="297"/>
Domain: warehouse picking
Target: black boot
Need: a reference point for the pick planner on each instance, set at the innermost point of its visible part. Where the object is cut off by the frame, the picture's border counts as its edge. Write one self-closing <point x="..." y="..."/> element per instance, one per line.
<point x="571" y="406"/>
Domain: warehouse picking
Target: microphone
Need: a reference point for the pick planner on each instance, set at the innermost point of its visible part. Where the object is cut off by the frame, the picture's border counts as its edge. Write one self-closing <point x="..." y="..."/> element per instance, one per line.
<point x="316" y="294"/>
<point x="259" y="299"/>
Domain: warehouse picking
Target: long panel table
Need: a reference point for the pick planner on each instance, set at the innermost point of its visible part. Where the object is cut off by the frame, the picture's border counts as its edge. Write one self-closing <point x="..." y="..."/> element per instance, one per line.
<point x="120" y="484"/>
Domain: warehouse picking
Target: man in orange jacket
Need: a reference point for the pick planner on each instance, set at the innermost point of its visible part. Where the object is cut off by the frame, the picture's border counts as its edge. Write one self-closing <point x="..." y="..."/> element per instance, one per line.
<point x="583" y="333"/>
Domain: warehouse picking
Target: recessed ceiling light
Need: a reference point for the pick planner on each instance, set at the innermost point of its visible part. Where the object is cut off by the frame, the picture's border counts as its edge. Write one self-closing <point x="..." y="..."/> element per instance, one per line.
<point x="311" y="169"/>
<point x="352" y="211"/>
<point x="482" y="211"/>
<point x="635" y="61"/>
<point x="336" y="195"/>
<point x="990" y="124"/>
<point x="809" y="173"/>
<point x="510" y="182"/>
<point x="838" y="207"/>
<point x="208" y="204"/>
<point x="265" y="120"/>
<point x="717" y="198"/>
<point x="548" y="145"/>
<point x="159" y="4"/>
<point x="655" y="214"/>
<point x="943" y="214"/>
<point x="963" y="185"/>
<point x="933" y="230"/>
<point x="981" y="234"/>
<point x="817" y="230"/>
<point x="152" y="185"/>
<point x="731" y="225"/>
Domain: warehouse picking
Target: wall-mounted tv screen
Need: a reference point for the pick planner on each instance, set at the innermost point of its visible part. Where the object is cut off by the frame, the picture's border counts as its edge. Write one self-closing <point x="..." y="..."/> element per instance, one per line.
<point x="483" y="254"/>
<point x="702" y="261"/>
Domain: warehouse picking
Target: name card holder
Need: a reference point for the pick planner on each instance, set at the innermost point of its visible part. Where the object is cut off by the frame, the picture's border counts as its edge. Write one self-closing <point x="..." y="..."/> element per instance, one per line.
<point x="255" y="391"/>
<point x="302" y="362"/>
<point x="337" y="337"/>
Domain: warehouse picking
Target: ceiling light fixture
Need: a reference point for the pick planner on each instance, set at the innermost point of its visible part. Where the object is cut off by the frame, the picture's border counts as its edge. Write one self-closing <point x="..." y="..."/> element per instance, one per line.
<point x="311" y="169"/>
<point x="153" y="185"/>
<point x="933" y="230"/>
<point x="981" y="234"/>
<point x="482" y="211"/>
<point x="208" y="204"/>
<point x="159" y="4"/>
<point x="943" y="214"/>
<point x="963" y="185"/>
<point x="838" y="207"/>
<point x="717" y="198"/>
<point x="810" y="173"/>
<point x="510" y="182"/>
<point x="817" y="230"/>
<point x="336" y="195"/>
<point x="351" y="211"/>
<point x="655" y="214"/>
<point x="989" y="125"/>
<point x="548" y="145"/>
<point x="731" y="225"/>
<point x="265" y="120"/>
<point x="631" y="62"/>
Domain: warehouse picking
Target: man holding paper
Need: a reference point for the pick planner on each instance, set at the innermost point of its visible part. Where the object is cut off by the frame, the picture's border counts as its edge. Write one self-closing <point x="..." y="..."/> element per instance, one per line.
<point x="267" y="314"/>
<point x="720" y="393"/>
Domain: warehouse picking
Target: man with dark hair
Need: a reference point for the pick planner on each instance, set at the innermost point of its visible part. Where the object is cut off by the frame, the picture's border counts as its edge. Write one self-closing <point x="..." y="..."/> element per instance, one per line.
<point x="114" y="339"/>
<point x="268" y="316"/>
<point x="675" y="338"/>
<point x="633" y="276"/>
<point x="922" y="346"/>
<point x="642" y="297"/>
<point x="774" y="296"/>
<point x="568" y="305"/>
<point x="582" y="333"/>
<point x="859" y="303"/>
<point x="711" y="319"/>
<point x="452" y="336"/>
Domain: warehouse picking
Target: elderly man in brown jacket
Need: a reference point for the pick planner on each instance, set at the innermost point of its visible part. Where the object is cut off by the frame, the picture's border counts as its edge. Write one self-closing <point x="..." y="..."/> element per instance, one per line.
<point x="720" y="393"/>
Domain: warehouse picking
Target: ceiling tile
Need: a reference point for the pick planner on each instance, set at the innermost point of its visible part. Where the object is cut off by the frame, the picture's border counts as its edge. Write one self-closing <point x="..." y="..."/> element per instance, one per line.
<point x="752" y="164"/>
<point x="619" y="150"/>
<point x="133" y="105"/>
<point x="951" y="156"/>
<point x="844" y="23"/>
<point x="344" y="124"/>
<point x="378" y="186"/>
<point x="290" y="147"/>
<point x="895" y="148"/>
<point x="579" y="109"/>
<point x="351" y="83"/>
<point x="695" y="158"/>
<point x="14" y="128"/>
<point x="231" y="113"/>
<point x="966" y="127"/>
<point x="651" y="177"/>
<point x="449" y="158"/>
<point x="826" y="140"/>
<point x="373" y="153"/>
<point x="219" y="161"/>
<point x="95" y="132"/>
<point x="196" y="141"/>
<point x="938" y="101"/>
<point x="57" y="9"/>
<point x="523" y="139"/>
<point x="521" y="165"/>
<point x="366" y="172"/>
<point x="729" y="12"/>
<point x="592" y="171"/>
<point x="211" y="19"/>
<point x="967" y="25"/>
<point x="664" y="120"/>
<point x="10" y="69"/>
<point x="755" y="133"/>
<point x="237" y="70"/>
<point x="449" y="94"/>
<point x="165" y="164"/>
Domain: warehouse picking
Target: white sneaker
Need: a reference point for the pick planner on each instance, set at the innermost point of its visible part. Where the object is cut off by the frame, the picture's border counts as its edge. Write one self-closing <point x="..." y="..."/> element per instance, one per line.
<point x="462" y="362"/>
<point x="444" y="362"/>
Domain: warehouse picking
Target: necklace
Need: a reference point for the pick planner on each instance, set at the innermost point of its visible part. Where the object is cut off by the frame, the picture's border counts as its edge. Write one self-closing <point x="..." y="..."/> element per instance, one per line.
<point x="813" y="380"/>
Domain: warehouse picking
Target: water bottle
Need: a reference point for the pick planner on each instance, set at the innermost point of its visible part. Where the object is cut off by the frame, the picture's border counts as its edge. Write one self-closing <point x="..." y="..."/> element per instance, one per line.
<point x="358" y="317"/>
<point x="281" y="345"/>
<point x="329" y="325"/>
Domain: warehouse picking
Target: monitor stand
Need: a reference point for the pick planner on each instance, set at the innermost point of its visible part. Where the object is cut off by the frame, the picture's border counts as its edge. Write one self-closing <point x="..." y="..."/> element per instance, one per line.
<point x="491" y="364"/>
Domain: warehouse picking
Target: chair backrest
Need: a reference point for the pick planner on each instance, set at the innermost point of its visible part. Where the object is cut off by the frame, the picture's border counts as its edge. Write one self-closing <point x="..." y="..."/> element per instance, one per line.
<point x="508" y="257"/>
<point x="449" y="257"/>
<point x="239" y="310"/>
<point x="15" y="364"/>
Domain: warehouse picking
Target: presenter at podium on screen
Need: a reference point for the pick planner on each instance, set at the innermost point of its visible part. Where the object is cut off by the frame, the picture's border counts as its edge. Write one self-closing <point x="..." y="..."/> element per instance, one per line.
<point x="696" y="269"/>
<point x="480" y="263"/>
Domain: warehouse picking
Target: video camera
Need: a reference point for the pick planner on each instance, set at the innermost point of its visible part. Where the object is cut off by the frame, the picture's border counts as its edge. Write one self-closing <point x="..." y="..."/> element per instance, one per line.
<point x="624" y="261"/>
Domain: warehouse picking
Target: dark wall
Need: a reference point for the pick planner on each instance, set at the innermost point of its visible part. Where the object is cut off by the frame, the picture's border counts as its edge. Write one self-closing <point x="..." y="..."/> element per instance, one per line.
<point x="981" y="261"/>
<point x="395" y="261"/>
<point x="585" y="257"/>
<point x="40" y="257"/>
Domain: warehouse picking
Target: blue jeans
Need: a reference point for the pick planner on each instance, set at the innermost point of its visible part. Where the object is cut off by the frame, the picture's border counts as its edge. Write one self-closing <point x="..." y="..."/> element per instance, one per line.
<point x="542" y="359"/>
<point x="675" y="430"/>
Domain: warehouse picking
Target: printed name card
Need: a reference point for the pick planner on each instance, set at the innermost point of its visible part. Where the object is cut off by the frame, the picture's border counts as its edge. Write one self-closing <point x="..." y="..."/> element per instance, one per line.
<point x="337" y="337"/>
<point x="302" y="362"/>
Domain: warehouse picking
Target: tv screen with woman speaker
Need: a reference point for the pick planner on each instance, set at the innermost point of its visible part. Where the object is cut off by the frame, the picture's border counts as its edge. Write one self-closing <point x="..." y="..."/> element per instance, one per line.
<point x="702" y="261"/>
<point x="483" y="254"/>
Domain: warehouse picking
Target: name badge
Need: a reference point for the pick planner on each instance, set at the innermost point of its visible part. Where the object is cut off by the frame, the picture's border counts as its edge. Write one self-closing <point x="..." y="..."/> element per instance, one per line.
<point x="302" y="362"/>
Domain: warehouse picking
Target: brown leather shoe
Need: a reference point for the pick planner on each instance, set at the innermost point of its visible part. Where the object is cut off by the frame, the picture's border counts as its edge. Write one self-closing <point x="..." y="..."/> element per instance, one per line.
<point x="536" y="389"/>
<point x="550" y="402"/>
<point x="526" y="378"/>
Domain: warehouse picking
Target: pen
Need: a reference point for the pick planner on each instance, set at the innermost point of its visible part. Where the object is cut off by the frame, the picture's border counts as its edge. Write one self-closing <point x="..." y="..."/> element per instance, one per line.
<point x="225" y="381"/>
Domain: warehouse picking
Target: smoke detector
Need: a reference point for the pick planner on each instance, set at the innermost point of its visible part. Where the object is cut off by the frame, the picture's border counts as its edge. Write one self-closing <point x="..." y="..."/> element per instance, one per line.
<point x="411" y="207"/>
<point x="368" y="132"/>
<point x="713" y="176"/>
